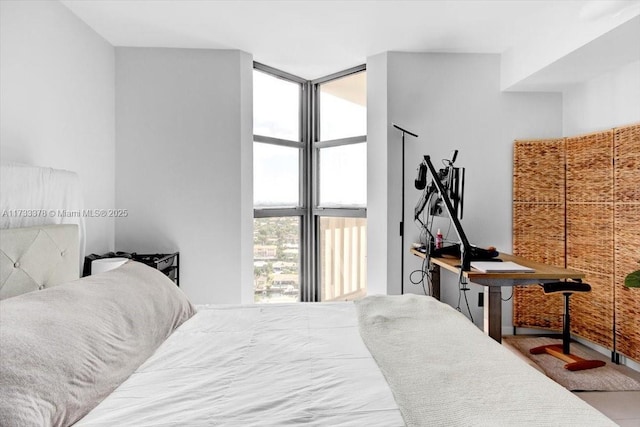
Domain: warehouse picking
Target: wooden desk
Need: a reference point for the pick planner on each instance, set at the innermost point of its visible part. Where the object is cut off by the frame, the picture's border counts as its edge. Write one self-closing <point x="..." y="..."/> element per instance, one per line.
<point x="494" y="282"/>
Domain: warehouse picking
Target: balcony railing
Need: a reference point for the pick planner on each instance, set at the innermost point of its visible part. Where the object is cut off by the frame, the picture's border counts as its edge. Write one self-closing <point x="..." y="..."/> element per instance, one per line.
<point x="343" y="254"/>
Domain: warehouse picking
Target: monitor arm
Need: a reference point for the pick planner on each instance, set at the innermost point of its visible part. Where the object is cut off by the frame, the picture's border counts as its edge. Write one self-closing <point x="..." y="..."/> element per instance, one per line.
<point x="465" y="246"/>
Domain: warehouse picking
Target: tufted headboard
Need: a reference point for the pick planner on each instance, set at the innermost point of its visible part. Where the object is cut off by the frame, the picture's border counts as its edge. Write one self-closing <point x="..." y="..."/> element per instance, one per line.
<point x="33" y="258"/>
<point x="34" y="196"/>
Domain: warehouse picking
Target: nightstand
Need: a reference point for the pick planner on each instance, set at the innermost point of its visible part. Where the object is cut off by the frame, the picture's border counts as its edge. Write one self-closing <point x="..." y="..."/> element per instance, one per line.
<point x="168" y="264"/>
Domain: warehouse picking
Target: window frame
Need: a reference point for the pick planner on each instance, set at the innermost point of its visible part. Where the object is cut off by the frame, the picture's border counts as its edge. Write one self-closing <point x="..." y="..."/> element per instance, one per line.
<point x="309" y="144"/>
<point x="317" y="211"/>
<point x="301" y="209"/>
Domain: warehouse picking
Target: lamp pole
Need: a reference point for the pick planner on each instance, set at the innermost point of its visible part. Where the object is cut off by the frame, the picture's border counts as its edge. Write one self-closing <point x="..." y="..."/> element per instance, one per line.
<point x="402" y="248"/>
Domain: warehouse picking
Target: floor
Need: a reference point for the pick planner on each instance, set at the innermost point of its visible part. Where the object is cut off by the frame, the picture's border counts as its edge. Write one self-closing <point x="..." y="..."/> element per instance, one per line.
<point x="623" y="407"/>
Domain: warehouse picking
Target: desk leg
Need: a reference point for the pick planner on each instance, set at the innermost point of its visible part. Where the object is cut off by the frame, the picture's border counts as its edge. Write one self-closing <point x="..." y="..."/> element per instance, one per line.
<point x="435" y="281"/>
<point x="493" y="313"/>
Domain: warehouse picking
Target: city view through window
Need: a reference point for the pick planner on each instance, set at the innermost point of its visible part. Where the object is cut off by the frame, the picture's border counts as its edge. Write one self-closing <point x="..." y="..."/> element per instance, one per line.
<point x="276" y="259"/>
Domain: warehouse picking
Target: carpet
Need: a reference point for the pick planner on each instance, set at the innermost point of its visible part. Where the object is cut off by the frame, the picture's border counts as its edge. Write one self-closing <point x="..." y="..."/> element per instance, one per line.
<point x="610" y="377"/>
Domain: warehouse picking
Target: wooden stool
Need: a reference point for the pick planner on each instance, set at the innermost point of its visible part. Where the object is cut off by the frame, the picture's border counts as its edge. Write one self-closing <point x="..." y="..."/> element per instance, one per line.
<point x="562" y="351"/>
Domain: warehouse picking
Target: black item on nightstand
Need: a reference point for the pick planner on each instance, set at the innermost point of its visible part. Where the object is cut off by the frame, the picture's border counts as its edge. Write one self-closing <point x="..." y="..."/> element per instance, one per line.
<point x="168" y="264"/>
<point x="86" y="270"/>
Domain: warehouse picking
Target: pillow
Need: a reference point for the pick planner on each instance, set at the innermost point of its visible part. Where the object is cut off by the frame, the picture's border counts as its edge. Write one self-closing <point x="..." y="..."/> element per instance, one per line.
<point x="64" y="349"/>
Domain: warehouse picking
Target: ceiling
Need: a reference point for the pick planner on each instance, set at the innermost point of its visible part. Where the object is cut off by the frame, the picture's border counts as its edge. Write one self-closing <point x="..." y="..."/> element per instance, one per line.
<point x="312" y="39"/>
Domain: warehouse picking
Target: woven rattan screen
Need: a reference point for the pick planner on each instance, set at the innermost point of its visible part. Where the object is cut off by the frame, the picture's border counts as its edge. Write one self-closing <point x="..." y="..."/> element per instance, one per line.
<point x="591" y="223"/>
<point x="627" y="238"/>
<point x="538" y="224"/>
<point x="590" y="233"/>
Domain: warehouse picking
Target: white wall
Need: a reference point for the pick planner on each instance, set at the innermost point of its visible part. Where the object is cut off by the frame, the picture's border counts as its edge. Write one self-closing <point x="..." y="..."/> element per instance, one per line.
<point x="245" y="169"/>
<point x="57" y="102"/>
<point x="183" y="163"/>
<point x="607" y="101"/>
<point x="378" y="250"/>
<point x="452" y="101"/>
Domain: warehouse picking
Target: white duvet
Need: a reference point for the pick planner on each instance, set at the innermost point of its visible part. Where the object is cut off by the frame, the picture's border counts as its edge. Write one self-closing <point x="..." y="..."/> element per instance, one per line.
<point x="260" y="365"/>
<point x="293" y="364"/>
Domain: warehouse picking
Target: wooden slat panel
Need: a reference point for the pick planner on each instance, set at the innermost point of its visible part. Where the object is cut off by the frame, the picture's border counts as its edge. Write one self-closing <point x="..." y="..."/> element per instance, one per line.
<point x="602" y="232"/>
<point x="533" y="309"/>
<point x="590" y="232"/>
<point x="590" y="237"/>
<point x="627" y="164"/>
<point x="592" y="313"/>
<point x="627" y="300"/>
<point x="538" y="224"/>
<point x="538" y="171"/>
<point x="628" y="322"/>
<point x="627" y="238"/>
<point x="590" y="168"/>
<point x="538" y="232"/>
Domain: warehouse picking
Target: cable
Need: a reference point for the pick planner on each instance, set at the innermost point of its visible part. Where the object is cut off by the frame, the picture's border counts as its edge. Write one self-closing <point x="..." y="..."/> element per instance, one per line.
<point x="462" y="289"/>
<point x="459" y="290"/>
<point x="424" y="272"/>
<point x="425" y="225"/>
<point x="467" y="302"/>
<point x="510" y="296"/>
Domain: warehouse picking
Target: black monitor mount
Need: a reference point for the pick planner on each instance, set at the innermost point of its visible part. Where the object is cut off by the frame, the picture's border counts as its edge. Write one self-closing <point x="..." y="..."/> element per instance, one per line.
<point x="465" y="247"/>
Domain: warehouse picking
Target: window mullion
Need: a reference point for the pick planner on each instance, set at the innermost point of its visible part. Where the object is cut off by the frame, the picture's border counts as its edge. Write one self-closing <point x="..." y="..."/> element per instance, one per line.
<point x="340" y="142"/>
<point x="278" y="141"/>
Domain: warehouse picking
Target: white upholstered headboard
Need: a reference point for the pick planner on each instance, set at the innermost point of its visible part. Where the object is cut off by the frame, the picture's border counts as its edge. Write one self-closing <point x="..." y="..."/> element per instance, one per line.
<point x="33" y="258"/>
<point x="33" y="196"/>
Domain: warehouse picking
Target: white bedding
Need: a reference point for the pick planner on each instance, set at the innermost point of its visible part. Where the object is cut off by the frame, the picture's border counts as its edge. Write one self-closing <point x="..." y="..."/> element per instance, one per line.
<point x="292" y="364"/>
<point x="262" y="365"/>
<point x="445" y="372"/>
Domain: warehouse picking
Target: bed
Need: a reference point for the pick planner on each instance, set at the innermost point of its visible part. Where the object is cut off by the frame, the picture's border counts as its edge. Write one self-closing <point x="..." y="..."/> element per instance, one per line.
<point x="127" y="348"/>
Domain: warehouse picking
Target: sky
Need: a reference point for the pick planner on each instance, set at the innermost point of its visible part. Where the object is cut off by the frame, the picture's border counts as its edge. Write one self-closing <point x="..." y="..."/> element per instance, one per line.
<point x="342" y="169"/>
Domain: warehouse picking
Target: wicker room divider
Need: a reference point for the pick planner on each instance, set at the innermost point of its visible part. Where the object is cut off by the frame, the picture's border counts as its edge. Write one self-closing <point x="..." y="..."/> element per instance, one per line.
<point x="538" y="224"/>
<point x="627" y="238"/>
<point x="576" y="204"/>
<point x="589" y="222"/>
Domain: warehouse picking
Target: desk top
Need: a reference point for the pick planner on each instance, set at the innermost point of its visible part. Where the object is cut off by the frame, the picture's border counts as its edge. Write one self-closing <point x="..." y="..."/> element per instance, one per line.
<point x="543" y="272"/>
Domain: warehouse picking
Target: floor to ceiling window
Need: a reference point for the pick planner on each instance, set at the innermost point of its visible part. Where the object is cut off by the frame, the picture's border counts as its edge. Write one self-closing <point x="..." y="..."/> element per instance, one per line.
<point x="279" y="152"/>
<point x="309" y="186"/>
<point x="340" y="193"/>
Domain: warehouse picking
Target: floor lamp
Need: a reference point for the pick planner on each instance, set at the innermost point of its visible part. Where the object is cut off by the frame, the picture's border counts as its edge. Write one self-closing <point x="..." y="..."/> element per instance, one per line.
<point x="402" y="248"/>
